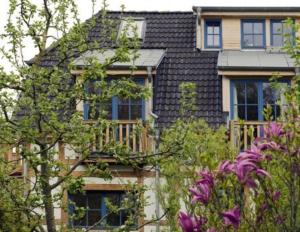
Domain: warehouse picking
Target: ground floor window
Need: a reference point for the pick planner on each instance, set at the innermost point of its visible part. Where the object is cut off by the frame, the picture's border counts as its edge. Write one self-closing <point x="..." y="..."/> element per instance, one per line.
<point x="96" y="208"/>
<point x="248" y="98"/>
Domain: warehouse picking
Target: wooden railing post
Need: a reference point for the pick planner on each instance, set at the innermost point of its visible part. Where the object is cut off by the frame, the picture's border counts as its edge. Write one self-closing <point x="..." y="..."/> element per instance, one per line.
<point x="243" y="133"/>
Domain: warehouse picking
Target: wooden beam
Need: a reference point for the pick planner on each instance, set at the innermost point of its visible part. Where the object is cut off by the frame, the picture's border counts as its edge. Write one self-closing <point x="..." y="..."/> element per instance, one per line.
<point x="252" y="14"/>
<point x="119" y="72"/>
<point x="255" y="73"/>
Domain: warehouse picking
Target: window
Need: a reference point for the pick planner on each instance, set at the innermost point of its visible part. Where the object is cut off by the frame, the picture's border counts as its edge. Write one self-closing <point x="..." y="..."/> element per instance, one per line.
<point x="103" y="109"/>
<point x="132" y="26"/>
<point x="95" y="203"/>
<point x="279" y="33"/>
<point x="116" y="108"/>
<point x="213" y="34"/>
<point x="249" y="98"/>
<point x="253" y="34"/>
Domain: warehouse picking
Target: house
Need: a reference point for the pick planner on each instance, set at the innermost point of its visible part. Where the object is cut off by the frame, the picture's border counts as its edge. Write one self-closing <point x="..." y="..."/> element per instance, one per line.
<point x="230" y="53"/>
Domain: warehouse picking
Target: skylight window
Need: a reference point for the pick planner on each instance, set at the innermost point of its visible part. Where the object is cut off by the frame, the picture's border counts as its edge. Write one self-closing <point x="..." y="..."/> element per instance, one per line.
<point x="130" y="26"/>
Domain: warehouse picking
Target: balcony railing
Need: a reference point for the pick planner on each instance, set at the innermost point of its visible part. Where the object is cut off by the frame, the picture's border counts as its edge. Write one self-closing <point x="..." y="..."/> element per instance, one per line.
<point x="243" y="133"/>
<point x="131" y="133"/>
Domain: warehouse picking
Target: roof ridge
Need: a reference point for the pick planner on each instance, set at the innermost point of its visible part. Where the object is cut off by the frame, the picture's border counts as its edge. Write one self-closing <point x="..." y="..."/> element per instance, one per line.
<point x="151" y="12"/>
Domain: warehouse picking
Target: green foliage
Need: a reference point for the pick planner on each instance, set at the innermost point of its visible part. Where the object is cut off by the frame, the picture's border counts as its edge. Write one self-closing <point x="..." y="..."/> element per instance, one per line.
<point x="195" y="146"/>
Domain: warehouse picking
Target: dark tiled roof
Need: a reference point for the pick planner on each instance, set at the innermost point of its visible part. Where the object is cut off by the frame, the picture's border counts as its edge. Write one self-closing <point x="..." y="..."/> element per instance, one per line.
<point x="175" y="32"/>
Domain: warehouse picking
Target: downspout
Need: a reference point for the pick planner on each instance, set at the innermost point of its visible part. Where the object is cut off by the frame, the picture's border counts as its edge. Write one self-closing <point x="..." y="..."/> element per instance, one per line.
<point x="155" y="149"/>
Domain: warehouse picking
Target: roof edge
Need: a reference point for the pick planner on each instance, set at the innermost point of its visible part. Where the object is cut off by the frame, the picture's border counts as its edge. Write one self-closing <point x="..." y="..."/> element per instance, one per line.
<point x="247" y="9"/>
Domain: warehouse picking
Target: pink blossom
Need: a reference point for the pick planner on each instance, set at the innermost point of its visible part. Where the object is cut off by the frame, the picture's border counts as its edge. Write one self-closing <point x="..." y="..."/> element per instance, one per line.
<point x="276" y="195"/>
<point x="226" y="167"/>
<point x="202" y="191"/>
<point x="191" y="223"/>
<point x="232" y="217"/>
<point x="274" y="130"/>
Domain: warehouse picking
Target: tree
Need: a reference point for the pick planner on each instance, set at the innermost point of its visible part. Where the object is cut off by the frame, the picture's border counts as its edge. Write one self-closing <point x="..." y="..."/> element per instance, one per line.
<point x="38" y="101"/>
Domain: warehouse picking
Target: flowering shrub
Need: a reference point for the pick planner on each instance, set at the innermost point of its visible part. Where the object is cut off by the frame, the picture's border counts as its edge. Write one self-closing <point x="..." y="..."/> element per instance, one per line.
<point x="257" y="191"/>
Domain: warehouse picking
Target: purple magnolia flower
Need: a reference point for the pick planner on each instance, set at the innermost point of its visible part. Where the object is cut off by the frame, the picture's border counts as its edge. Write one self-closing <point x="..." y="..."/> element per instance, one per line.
<point x="232" y="217"/>
<point x="250" y="155"/>
<point x="276" y="195"/>
<point x="274" y="130"/>
<point x="244" y="168"/>
<point x="206" y="178"/>
<point x="191" y="223"/>
<point x="270" y="145"/>
<point x="226" y="167"/>
<point x="202" y="191"/>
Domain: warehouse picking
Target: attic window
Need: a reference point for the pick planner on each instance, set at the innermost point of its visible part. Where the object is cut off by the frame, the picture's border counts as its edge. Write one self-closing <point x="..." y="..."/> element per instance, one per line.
<point x="132" y="26"/>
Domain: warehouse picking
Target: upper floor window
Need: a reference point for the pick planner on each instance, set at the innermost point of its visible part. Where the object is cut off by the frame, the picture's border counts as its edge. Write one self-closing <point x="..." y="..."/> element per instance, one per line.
<point x="213" y="34"/>
<point x="116" y="108"/>
<point x="95" y="203"/>
<point x="253" y="34"/>
<point x="280" y="32"/>
<point x="132" y="26"/>
<point x="250" y="97"/>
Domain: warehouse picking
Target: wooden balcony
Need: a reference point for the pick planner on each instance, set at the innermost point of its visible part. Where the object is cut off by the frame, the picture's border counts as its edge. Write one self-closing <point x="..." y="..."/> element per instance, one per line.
<point x="243" y="133"/>
<point x="134" y="135"/>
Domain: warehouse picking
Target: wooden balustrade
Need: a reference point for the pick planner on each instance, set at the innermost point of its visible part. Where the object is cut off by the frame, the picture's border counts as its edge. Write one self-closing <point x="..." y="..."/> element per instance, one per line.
<point x="243" y="133"/>
<point x="132" y="134"/>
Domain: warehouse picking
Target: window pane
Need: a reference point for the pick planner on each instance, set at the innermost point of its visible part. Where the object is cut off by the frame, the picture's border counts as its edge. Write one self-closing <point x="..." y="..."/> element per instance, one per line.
<point x="277" y="40"/>
<point x="216" y="30"/>
<point x="251" y="89"/>
<point x="136" y="112"/>
<point x="123" y="112"/>
<point x="278" y="111"/>
<point x="241" y="112"/>
<point x="277" y="28"/>
<point x="247" y="27"/>
<point x="210" y="30"/>
<point x="94" y="201"/>
<point x="240" y="93"/>
<point x="248" y="40"/>
<point x="269" y="94"/>
<point x="287" y="29"/>
<point x="252" y="113"/>
<point x="81" y="221"/>
<point x="113" y="219"/>
<point x="258" y="40"/>
<point x="94" y="216"/>
<point x="258" y="28"/>
<point x="79" y="200"/>
<point x="216" y="40"/>
<point x="210" y="40"/>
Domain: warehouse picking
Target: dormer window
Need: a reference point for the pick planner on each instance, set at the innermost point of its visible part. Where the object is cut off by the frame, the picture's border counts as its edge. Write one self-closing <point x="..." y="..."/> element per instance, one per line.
<point x="130" y="26"/>
<point x="213" y="34"/>
<point x="280" y="32"/>
<point x="253" y="34"/>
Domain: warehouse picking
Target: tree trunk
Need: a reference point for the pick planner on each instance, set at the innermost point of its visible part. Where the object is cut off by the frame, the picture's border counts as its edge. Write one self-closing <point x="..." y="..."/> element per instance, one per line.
<point x="47" y="196"/>
<point x="49" y="210"/>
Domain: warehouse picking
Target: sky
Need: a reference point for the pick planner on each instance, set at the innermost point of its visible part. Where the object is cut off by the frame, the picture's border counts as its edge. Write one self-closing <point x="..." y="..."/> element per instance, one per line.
<point x="144" y="5"/>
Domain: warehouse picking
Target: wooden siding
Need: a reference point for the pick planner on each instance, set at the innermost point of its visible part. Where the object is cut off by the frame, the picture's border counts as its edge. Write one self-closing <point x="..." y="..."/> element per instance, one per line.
<point x="231" y="28"/>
